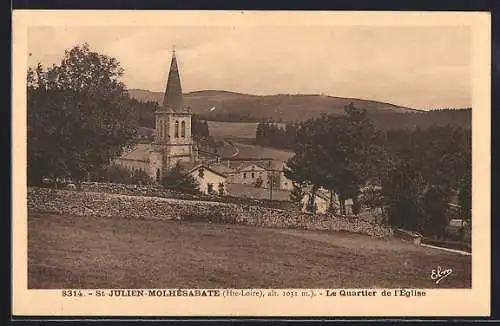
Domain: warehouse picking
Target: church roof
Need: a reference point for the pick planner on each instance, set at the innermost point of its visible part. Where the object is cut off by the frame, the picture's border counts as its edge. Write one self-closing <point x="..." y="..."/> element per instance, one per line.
<point x="139" y="153"/>
<point x="173" y="99"/>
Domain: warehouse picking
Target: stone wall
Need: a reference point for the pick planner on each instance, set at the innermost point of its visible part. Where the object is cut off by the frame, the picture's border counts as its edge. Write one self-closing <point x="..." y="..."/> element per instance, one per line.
<point x="79" y="203"/>
<point x="158" y="191"/>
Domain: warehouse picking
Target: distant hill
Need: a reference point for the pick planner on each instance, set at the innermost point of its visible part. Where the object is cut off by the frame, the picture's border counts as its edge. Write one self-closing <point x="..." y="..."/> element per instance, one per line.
<point x="230" y="106"/>
<point x="236" y="107"/>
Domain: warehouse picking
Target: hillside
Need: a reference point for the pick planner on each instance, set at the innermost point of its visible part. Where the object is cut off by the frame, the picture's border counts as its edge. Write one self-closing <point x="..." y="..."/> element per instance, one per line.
<point x="230" y="106"/>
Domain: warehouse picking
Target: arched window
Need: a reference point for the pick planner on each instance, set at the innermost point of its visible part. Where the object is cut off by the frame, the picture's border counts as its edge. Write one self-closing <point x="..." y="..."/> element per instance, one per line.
<point x="158" y="175"/>
<point x="183" y="129"/>
<point x="160" y="127"/>
<point x="176" y="129"/>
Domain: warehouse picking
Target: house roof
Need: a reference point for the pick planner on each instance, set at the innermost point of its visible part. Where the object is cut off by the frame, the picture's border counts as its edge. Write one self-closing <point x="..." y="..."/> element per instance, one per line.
<point x="221" y="168"/>
<point x="264" y="164"/>
<point x="206" y="168"/>
<point x="248" y="164"/>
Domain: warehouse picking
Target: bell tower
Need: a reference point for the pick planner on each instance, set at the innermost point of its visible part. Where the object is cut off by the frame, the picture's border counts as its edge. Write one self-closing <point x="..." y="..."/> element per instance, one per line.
<point x="172" y="141"/>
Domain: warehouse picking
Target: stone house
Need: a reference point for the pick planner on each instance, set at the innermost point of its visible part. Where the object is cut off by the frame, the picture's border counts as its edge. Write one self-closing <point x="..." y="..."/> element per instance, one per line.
<point x="210" y="180"/>
<point x="322" y="202"/>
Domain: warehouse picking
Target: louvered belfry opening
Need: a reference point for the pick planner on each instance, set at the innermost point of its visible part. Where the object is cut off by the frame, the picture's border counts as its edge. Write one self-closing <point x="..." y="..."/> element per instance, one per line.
<point x="173" y="99"/>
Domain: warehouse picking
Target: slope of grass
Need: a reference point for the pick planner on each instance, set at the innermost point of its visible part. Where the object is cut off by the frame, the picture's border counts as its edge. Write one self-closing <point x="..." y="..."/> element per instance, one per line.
<point x="219" y="129"/>
<point x="245" y="107"/>
<point x="88" y="252"/>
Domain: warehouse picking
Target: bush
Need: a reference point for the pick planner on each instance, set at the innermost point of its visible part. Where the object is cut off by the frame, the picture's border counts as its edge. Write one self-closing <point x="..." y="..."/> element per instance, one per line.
<point x="258" y="183"/>
<point x="177" y="180"/>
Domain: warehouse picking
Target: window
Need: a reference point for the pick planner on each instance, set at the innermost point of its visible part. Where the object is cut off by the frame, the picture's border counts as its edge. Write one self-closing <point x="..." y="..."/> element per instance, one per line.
<point x="176" y="129"/>
<point x="244" y="175"/>
<point x="183" y="129"/>
<point x="253" y="175"/>
<point x="210" y="188"/>
<point x="201" y="173"/>
<point x="161" y="128"/>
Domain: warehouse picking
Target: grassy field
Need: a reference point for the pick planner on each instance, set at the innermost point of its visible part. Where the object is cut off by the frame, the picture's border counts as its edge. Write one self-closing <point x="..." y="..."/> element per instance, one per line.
<point x="89" y="252"/>
<point x="256" y="151"/>
<point x="220" y="129"/>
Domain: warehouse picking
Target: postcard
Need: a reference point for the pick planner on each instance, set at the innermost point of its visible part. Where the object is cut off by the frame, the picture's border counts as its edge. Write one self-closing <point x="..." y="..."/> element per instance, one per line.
<point x="251" y="163"/>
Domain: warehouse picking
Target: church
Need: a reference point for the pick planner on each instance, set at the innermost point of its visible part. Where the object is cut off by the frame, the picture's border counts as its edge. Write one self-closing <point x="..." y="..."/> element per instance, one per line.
<point x="172" y="138"/>
<point x="173" y="143"/>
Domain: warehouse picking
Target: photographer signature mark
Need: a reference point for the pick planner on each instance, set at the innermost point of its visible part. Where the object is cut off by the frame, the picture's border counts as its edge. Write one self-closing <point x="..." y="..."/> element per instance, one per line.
<point x="439" y="274"/>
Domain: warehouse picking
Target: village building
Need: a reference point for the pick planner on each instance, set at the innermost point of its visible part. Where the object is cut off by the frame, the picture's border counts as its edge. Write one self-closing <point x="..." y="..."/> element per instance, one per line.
<point x="210" y="180"/>
<point x="172" y="137"/>
<point x="322" y="202"/>
<point x="173" y="143"/>
<point x="249" y="173"/>
<point x="258" y="172"/>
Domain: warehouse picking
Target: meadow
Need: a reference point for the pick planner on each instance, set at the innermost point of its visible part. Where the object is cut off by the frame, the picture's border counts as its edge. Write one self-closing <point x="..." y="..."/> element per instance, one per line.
<point x="220" y="130"/>
<point x="91" y="252"/>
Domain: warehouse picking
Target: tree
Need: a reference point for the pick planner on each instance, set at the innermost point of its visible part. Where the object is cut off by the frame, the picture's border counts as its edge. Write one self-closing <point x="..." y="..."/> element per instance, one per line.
<point x="199" y="128"/>
<point x="176" y="179"/>
<point x="114" y="174"/>
<point x="337" y="153"/>
<point x="141" y="177"/>
<point x="403" y="189"/>
<point x="356" y="206"/>
<point x="79" y="115"/>
<point x="258" y="182"/>
<point x="297" y="193"/>
<point x="435" y="204"/>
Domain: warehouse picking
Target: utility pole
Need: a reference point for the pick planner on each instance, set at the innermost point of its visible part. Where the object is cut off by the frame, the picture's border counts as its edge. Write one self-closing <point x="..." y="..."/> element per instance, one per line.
<point x="271" y="181"/>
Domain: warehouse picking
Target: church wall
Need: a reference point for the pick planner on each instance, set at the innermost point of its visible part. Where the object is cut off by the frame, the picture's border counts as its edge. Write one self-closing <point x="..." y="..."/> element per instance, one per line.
<point x="184" y="150"/>
<point x="155" y="164"/>
<point x="172" y="129"/>
<point x="132" y="164"/>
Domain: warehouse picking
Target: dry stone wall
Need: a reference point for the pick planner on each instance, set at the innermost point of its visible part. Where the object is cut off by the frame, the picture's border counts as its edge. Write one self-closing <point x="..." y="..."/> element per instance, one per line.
<point x="156" y="191"/>
<point x="80" y="203"/>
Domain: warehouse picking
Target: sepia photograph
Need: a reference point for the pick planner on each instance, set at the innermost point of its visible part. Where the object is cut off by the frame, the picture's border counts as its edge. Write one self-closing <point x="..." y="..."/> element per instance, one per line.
<point x="209" y="157"/>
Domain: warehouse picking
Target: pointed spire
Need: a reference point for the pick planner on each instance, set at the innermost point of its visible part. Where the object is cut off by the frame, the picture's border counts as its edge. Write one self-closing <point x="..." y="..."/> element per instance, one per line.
<point x="173" y="99"/>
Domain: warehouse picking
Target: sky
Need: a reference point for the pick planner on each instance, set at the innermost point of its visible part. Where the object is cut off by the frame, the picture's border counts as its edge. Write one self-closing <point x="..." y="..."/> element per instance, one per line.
<point x="420" y="67"/>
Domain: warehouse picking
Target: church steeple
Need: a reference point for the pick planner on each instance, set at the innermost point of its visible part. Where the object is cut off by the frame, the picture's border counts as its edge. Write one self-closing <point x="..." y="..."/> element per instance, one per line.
<point x="173" y="99"/>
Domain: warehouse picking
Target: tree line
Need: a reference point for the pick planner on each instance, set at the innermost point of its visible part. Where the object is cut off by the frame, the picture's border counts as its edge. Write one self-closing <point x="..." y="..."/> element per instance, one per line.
<point x="411" y="174"/>
<point x="282" y="134"/>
